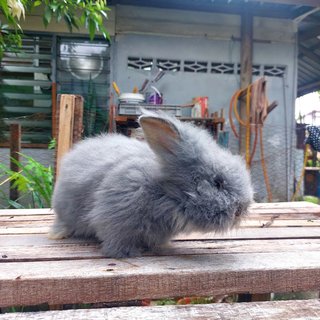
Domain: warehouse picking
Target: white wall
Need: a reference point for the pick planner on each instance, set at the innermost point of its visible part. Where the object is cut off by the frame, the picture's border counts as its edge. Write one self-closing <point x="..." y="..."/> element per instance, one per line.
<point x="184" y="35"/>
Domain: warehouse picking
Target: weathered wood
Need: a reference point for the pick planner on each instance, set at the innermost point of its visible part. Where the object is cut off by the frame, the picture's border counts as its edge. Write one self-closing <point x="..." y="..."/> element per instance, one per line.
<point x="274" y="310"/>
<point x="273" y="208"/>
<point x="66" y="122"/>
<point x="78" y="119"/>
<point x="30" y="248"/>
<point x="35" y="270"/>
<point x="15" y="148"/>
<point x="246" y="68"/>
<point x="251" y="222"/>
<point x="89" y="281"/>
<point x="256" y="233"/>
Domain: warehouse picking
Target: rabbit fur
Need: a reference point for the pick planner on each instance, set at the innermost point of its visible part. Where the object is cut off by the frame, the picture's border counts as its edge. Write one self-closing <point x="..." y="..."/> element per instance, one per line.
<point x="133" y="196"/>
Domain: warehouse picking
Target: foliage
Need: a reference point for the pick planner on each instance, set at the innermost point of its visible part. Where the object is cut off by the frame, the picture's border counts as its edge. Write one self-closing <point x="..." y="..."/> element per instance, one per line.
<point x="75" y="13"/>
<point x="311" y="199"/>
<point x="52" y="144"/>
<point x="33" y="180"/>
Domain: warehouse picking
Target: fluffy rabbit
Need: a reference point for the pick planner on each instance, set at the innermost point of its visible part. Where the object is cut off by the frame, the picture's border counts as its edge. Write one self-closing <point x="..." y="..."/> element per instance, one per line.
<point x="134" y="196"/>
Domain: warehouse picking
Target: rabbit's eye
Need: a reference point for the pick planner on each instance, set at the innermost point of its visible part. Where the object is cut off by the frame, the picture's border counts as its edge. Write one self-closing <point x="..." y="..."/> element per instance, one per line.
<point x="218" y="183"/>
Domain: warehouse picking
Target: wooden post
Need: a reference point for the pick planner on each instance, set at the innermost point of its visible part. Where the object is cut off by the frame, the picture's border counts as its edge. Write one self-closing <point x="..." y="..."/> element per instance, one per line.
<point x="246" y="68"/>
<point x="66" y="121"/>
<point x="15" y="148"/>
<point x="69" y="125"/>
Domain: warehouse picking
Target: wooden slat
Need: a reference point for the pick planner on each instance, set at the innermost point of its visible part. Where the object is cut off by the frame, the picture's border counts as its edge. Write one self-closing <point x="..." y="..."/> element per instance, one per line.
<point x="241" y="233"/>
<point x="42" y="220"/>
<point x="273" y="310"/>
<point x="260" y="208"/>
<point x="24" y="212"/>
<point x="16" y="248"/>
<point x="66" y="123"/>
<point x="256" y="233"/>
<point x="89" y="281"/>
<point x="296" y="204"/>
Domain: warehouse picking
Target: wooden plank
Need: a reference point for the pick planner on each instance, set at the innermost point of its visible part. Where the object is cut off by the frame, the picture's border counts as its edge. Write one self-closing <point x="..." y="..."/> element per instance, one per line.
<point x="259" y="208"/>
<point x="270" y="223"/>
<point x="241" y="233"/>
<point x="43" y="220"/>
<point x="246" y="69"/>
<point x="271" y="310"/>
<point x="256" y="233"/>
<point x="66" y="122"/>
<point x="104" y="280"/>
<point x="78" y="119"/>
<point x="39" y="248"/>
<point x="293" y="204"/>
<point x="25" y="212"/>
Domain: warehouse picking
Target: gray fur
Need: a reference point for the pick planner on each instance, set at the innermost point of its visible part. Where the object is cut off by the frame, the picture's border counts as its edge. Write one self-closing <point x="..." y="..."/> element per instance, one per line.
<point x="133" y="196"/>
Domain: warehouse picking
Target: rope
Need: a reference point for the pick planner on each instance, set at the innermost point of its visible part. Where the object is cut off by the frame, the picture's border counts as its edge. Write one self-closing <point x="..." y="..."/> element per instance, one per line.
<point x="264" y="167"/>
<point x="233" y="109"/>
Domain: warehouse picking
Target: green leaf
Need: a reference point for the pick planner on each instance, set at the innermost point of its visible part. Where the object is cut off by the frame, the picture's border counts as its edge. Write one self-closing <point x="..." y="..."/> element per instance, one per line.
<point x="37" y="3"/>
<point x="92" y="28"/>
<point x="4" y="7"/>
<point x="15" y="204"/>
<point x="47" y="14"/>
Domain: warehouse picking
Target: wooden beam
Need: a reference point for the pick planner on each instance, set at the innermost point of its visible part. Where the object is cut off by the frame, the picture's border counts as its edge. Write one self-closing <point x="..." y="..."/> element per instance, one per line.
<point x="65" y="129"/>
<point x="273" y="310"/>
<point x="246" y="68"/>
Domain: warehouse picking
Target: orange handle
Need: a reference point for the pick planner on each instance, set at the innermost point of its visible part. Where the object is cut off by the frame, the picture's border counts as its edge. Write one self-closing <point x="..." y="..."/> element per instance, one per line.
<point x="116" y="88"/>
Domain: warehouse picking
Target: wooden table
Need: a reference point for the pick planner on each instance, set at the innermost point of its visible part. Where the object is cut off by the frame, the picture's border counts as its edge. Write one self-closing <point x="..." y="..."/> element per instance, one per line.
<point x="277" y="249"/>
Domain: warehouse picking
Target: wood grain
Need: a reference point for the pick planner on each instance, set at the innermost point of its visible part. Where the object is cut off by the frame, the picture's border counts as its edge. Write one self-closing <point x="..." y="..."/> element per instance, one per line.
<point x="253" y="259"/>
<point x="30" y="248"/>
<point x="66" y="122"/>
<point x="103" y="280"/>
<point x="275" y="310"/>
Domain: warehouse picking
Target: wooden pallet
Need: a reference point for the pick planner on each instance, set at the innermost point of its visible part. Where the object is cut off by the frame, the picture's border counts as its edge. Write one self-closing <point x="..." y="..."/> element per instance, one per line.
<point x="276" y="249"/>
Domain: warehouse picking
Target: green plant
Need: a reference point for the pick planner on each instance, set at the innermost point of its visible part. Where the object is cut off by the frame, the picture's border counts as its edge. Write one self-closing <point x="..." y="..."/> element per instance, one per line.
<point x="33" y="180"/>
<point x="75" y="13"/>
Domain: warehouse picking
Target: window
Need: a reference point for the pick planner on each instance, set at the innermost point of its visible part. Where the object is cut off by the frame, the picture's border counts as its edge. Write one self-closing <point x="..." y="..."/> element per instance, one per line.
<point x="83" y="68"/>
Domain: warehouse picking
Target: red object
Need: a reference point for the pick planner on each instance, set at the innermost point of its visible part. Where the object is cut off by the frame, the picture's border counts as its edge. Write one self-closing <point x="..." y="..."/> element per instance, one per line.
<point x="203" y="103"/>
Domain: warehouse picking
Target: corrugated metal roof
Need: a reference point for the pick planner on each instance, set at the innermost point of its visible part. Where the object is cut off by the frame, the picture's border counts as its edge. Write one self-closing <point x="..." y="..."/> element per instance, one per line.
<point x="309" y="54"/>
<point x="303" y="11"/>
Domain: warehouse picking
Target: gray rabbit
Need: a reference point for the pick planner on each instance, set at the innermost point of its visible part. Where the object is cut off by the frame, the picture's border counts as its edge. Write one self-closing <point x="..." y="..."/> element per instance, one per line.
<point x="133" y="196"/>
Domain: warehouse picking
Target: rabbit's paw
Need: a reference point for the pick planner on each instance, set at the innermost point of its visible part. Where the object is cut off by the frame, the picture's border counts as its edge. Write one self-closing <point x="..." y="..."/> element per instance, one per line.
<point x="121" y="250"/>
<point x="58" y="231"/>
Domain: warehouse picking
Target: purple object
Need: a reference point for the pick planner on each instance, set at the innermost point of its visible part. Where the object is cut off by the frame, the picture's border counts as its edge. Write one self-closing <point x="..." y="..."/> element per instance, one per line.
<point x="155" y="98"/>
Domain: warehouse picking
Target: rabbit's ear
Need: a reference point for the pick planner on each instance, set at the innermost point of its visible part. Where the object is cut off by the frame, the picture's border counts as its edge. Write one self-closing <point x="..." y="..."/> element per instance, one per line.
<point x="161" y="134"/>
